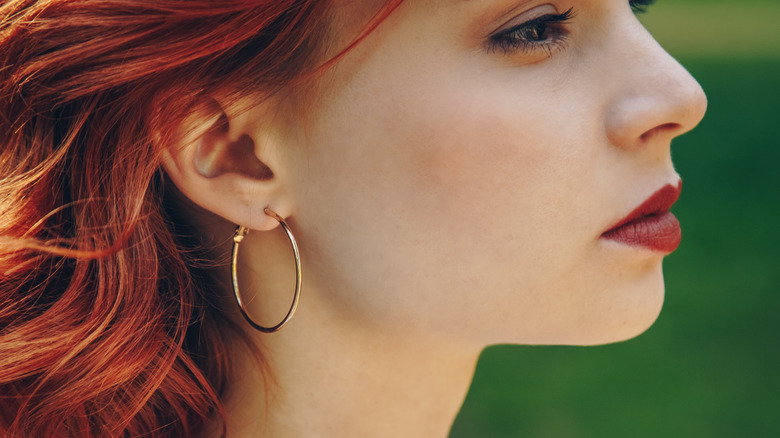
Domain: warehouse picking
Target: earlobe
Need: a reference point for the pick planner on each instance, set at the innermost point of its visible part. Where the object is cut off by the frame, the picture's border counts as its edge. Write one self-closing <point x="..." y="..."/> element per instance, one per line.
<point x="219" y="167"/>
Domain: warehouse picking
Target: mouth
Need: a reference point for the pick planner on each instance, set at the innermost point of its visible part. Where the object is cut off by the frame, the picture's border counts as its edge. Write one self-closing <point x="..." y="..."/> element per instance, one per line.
<point x="650" y="225"/>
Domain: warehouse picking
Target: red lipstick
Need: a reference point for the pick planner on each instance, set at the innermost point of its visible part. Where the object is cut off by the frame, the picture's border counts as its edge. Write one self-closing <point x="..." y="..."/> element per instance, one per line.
<point x="651" y="225"/>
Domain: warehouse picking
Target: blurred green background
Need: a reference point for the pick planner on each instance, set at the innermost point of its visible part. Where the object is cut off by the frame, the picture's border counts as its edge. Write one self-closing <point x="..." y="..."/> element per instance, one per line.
<point x="710" y="366"/>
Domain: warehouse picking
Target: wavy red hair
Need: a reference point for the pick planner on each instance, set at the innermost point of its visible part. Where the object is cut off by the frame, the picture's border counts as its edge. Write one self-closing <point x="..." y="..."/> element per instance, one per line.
<point x="109" y="325"/>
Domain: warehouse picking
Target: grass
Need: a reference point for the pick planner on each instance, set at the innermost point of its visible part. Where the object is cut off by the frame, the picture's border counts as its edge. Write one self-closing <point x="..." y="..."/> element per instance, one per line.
<point x="708" y="367"/>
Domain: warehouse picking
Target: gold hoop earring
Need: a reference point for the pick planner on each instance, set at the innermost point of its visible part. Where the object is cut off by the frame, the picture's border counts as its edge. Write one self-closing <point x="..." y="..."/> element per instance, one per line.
<point x="239" y="235"/>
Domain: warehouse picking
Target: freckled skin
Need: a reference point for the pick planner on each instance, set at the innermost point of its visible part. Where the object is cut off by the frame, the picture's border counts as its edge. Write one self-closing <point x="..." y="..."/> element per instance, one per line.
<point x="441" y="173"/>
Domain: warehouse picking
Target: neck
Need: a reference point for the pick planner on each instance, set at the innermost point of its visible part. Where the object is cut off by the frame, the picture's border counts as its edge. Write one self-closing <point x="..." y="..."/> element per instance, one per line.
<point x="327" y="377"/>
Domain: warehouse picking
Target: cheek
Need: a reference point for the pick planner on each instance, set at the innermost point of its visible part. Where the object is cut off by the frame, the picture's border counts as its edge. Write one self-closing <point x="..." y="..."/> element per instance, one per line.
<point x="473" y="152"/>
<point x="440" y="186"/>
<point x="488" y="156"/>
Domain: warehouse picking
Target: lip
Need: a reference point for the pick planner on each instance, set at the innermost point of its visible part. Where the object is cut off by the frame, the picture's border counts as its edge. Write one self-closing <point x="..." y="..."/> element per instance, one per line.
<point x="651" y="225"/>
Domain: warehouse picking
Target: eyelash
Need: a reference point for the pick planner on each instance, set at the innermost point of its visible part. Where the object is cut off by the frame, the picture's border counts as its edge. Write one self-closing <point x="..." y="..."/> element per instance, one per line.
<point x="640" y="6"/>
<point x="546" y="33"/>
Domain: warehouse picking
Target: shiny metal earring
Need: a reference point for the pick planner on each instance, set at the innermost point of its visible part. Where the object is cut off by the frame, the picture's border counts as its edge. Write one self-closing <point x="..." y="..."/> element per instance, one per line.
<point x="239" y="235"/>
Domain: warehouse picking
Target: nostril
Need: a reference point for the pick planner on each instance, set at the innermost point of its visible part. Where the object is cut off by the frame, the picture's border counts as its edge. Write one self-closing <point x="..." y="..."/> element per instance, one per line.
<point x="666" y="127"/>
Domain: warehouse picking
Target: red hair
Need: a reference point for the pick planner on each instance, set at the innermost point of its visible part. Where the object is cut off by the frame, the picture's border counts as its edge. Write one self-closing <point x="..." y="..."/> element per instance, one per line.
<point x="109" y="323"/>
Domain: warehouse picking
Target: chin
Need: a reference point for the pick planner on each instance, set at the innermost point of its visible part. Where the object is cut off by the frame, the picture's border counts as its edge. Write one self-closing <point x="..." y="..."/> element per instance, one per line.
<point x="624" y="311"/>
<point x="602" y="309"/>
<point x="632" y="316"/>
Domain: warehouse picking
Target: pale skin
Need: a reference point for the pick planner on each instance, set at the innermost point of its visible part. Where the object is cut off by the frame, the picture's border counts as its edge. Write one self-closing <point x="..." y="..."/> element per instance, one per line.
<point x="447" y="195"/>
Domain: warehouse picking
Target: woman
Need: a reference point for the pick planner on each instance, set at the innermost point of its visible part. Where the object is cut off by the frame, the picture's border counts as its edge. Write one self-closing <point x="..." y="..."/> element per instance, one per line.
<point x="455" y="174"/>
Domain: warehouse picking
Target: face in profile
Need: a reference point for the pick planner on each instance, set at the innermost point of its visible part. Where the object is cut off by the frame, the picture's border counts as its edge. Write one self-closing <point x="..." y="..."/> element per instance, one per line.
<point x="461" y="170"/>
<point x="491" y="170"/>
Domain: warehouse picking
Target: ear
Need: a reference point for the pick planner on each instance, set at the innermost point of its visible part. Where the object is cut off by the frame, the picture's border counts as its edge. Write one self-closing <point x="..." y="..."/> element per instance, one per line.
<point x="228" y="161"/>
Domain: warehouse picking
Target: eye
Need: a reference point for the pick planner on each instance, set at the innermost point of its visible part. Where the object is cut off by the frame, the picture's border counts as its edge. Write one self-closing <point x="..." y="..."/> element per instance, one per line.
<point x="534" y="32"/>
<point x="640" y="6"/>
<point x="545" y="34"/>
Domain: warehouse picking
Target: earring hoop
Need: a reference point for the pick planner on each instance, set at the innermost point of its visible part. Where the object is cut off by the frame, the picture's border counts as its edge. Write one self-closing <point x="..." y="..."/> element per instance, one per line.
<point x="238" y="237"/>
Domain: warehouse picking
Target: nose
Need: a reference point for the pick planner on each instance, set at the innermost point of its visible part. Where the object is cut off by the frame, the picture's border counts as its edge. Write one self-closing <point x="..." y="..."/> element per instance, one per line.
<point x="655" y="99"/>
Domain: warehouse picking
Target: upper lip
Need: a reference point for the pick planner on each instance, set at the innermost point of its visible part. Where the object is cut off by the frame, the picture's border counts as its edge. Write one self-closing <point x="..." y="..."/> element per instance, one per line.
<point x="660" y="201"/>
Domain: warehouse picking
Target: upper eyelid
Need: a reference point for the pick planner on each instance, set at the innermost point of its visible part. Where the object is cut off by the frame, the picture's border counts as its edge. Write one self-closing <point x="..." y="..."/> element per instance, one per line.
<point x="525" y="17"/>
<point x="562" y="18"/>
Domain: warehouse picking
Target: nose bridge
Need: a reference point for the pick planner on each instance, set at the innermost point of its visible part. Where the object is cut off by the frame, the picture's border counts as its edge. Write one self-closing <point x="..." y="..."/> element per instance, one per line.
<point x="654" y="96"/>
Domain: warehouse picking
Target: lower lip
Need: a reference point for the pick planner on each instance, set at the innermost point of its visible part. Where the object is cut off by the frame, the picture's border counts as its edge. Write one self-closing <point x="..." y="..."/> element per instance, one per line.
<point x="658" y="232"/>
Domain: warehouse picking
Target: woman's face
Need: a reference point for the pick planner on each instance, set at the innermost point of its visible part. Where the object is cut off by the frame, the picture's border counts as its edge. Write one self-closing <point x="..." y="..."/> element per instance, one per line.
<point x="455" y="172"/>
